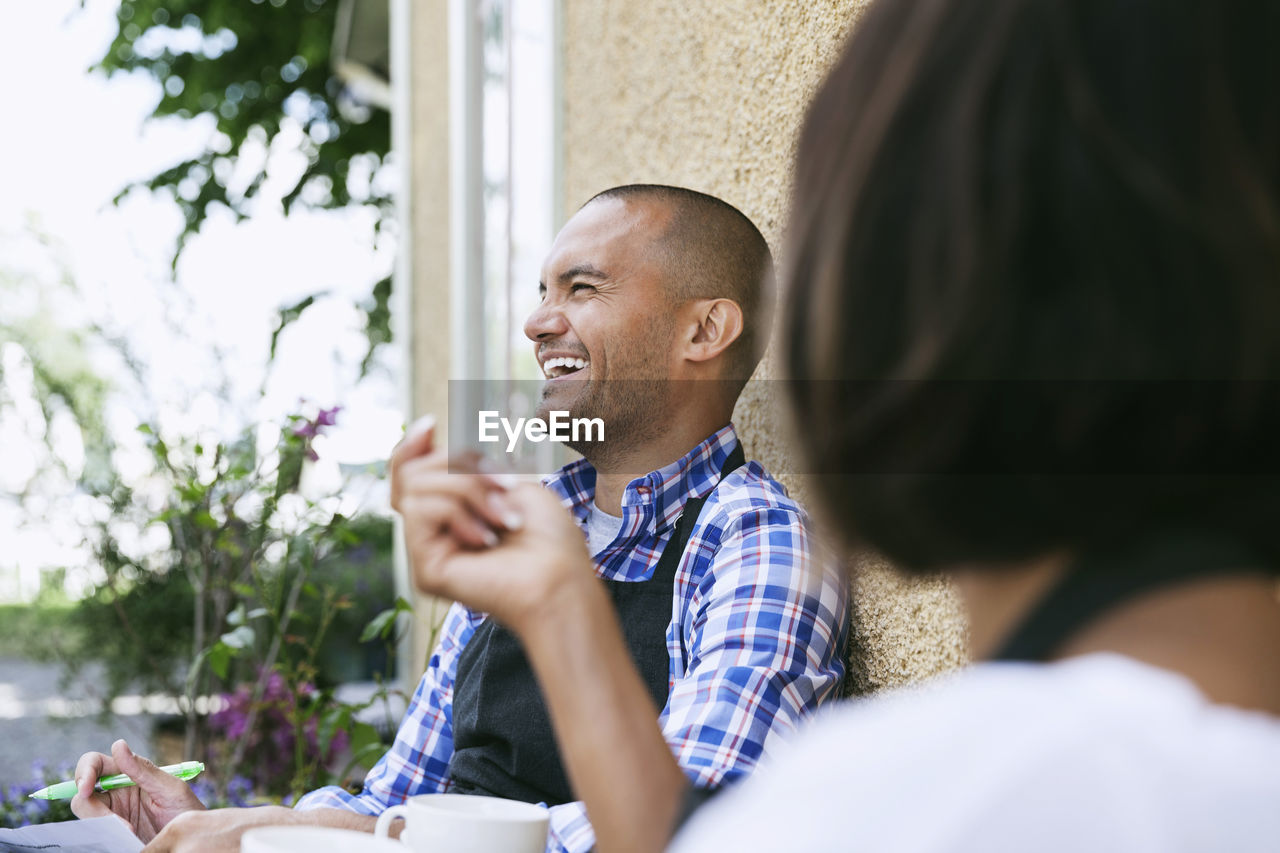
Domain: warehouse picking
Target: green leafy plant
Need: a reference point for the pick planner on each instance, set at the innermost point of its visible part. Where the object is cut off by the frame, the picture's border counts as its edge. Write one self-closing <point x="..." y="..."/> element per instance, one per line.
<point x="237" y="609"/>
<point x="260" y="73"/>
<point x="18" y="809"/>
<point x="218" y="572"/>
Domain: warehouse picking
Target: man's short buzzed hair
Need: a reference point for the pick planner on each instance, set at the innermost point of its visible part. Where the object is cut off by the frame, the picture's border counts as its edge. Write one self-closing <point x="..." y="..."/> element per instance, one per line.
<point x="713" y="251"/>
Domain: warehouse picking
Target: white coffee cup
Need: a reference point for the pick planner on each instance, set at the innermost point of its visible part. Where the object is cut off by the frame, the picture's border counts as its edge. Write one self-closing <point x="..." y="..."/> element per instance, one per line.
<point x="462" y="823"/>
<point x="313" y="839"/>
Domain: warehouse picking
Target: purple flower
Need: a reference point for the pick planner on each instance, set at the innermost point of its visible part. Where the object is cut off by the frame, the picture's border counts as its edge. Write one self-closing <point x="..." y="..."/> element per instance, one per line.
<point x="239" y="792"/>
<point x="311" y="428"/>
<point x="272" y="739"/>
<point x="17" y="809"/>
<point x="204" y="791"/>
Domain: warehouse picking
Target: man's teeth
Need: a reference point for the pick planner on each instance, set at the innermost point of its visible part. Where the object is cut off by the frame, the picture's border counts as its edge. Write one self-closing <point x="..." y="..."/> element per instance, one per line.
<point x="559" y="366"/>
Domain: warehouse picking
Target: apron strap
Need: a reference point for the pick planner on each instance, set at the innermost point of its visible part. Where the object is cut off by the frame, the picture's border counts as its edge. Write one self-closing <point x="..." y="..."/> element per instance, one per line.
<point x="688" y="519"/>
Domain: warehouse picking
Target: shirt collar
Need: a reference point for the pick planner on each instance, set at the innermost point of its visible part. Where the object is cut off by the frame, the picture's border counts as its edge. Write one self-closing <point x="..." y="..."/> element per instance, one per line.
<point x="660" y="495"/>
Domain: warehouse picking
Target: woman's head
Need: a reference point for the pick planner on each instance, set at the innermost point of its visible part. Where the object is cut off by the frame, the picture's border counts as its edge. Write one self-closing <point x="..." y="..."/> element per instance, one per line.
<point x="1029" y="241"/>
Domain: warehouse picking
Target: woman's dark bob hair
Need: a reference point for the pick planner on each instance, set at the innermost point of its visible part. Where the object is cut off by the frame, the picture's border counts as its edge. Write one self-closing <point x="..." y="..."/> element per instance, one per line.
<point x="1033" y="278"/>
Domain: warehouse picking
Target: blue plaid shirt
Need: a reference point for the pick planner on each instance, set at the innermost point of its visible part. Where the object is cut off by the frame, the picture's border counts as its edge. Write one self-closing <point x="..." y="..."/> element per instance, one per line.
<point x="756" y="639"/>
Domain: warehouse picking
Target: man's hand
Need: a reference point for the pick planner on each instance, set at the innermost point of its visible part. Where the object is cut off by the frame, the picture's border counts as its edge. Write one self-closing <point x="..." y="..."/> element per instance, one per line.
<point x="219" y="830"/>
<point x="148" y="806"/>
<point x="510" y="551"/>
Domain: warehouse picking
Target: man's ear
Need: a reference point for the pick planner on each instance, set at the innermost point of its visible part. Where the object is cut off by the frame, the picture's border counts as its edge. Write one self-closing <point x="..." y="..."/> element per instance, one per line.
<point x="714" y="324"/>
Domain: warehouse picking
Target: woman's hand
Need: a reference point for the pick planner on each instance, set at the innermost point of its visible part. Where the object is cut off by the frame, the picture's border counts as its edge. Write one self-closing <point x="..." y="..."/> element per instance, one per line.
<point x="512" y="551"/>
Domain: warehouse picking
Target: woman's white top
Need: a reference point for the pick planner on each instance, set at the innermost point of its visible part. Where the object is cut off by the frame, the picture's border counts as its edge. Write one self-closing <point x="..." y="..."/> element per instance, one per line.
<point x="1097" y="753"/>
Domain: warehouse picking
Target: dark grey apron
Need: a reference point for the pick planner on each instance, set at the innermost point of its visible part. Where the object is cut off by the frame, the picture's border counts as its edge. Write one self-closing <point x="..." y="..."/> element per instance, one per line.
<point x="503" y="742"/>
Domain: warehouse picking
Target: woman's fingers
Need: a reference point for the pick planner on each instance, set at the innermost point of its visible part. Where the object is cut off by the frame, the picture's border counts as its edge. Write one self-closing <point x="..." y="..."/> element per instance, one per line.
<point x="419" y="439"/>
<point x="481" y="495"/>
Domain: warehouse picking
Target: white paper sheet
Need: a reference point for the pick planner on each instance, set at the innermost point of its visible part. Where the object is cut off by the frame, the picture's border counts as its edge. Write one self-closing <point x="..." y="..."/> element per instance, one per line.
<point x="96" y="835"/>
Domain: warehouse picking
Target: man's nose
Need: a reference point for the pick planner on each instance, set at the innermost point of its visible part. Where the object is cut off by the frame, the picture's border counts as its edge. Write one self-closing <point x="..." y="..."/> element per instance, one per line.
<point x="545" y="323"/>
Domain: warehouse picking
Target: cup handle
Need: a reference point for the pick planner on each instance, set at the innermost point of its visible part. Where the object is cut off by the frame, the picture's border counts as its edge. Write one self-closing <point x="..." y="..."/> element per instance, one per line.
<point x="384" y="820"/>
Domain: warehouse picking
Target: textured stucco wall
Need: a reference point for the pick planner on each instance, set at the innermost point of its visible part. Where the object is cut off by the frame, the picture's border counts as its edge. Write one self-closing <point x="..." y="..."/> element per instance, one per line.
<point x="710" y="96"/>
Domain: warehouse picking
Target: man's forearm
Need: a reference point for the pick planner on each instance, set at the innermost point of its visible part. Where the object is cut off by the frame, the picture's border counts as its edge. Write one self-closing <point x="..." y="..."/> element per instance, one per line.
<point x="220" y="829"/>
<point x="605" y="722"/>
<point x="343" y="819"/>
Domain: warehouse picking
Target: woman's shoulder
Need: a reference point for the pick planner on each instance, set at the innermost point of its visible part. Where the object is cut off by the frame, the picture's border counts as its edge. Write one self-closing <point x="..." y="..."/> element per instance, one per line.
<point x="1019" y="750"/>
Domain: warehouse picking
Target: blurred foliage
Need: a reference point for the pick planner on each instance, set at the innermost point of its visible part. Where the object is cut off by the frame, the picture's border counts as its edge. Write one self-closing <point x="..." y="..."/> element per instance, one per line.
<point x="41" y="631"/>
<point x="256" y="69"/>
<point x="17" y="809"/>
<point x="59" y="352"/>
<point x="280" y="730"/>
<point x="254" y="582"/>
<point x="221" y="573"/>
<point x="140" y="624"/>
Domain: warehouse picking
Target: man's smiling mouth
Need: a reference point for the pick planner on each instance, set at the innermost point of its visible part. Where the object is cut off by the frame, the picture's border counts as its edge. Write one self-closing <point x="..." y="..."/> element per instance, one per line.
<point x="561" y="366"/>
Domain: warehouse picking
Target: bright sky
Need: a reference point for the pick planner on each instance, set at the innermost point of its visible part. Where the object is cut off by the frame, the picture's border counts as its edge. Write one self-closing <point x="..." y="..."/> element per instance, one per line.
<point x="71" y="141"/>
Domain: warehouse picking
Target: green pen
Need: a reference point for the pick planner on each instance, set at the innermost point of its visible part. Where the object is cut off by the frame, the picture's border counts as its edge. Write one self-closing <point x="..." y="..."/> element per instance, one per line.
<point x="186" y="771"/>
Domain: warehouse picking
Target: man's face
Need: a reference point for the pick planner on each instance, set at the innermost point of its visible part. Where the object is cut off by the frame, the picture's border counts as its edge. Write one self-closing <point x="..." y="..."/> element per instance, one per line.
<point x="603" y="332"/>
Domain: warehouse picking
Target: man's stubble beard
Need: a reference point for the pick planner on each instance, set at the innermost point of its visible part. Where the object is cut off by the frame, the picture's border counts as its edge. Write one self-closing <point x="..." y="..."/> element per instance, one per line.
<point x="634" y="410"/>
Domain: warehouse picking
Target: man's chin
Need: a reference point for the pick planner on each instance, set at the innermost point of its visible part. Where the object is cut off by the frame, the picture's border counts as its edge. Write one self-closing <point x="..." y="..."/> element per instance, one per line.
<point x="561" y="396"/>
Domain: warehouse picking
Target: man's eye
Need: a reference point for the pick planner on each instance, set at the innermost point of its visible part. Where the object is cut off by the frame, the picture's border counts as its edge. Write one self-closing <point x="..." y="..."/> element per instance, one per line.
<point x="578" y="288"/>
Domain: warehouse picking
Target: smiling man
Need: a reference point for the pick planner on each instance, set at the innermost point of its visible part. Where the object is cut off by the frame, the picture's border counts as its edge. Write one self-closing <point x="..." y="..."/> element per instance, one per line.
<point x="654" y="312"/>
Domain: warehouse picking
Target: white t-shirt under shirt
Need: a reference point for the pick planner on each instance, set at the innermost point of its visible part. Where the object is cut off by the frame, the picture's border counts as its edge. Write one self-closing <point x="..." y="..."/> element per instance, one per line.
<point x="1097" y="753"/>
<point x="602" y="529"/>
